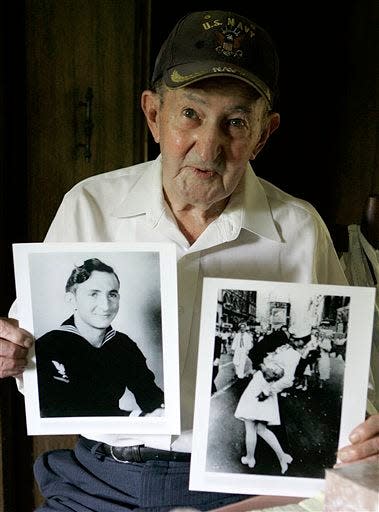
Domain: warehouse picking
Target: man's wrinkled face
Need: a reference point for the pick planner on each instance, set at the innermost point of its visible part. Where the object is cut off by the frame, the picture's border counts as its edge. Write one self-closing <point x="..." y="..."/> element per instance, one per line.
<point x="207" y="134"/>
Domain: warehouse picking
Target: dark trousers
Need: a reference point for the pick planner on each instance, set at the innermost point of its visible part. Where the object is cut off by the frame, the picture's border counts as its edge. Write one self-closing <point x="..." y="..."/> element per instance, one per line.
<point x="82" y="480"/>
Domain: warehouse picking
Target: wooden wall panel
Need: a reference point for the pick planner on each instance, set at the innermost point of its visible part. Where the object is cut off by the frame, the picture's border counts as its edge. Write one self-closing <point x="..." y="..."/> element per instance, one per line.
<point x="73" y="45"/>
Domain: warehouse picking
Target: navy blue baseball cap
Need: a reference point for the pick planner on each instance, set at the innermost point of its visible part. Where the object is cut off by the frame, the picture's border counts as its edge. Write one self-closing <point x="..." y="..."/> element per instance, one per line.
<point x="208" y="44"/>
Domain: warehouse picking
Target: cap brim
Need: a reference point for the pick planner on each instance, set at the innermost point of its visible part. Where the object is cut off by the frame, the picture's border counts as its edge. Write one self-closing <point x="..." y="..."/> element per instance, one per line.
<point x="186" y="74"/>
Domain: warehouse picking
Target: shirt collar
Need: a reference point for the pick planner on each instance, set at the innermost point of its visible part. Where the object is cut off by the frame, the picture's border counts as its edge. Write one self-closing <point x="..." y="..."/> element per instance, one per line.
<point x="257" y="216"/>
<point x="248" y="203"/>
<point x="146" y="196"/>
<point x="69" y="326"/>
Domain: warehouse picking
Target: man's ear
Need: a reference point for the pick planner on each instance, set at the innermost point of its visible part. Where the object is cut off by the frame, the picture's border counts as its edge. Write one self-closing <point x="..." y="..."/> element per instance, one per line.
<point x="70" y="299"/>
<point x="272" y="125"/>
<point x="150" y="103"/>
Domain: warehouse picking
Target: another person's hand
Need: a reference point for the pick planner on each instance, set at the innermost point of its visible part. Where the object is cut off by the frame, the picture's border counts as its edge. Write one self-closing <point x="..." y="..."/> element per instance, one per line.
<point x="14" y="345"/>
<point x="364" y="443"/>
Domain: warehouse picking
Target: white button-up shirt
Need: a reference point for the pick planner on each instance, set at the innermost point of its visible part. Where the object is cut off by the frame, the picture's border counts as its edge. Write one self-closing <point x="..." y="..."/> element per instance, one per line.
<point x="263" y="234"/>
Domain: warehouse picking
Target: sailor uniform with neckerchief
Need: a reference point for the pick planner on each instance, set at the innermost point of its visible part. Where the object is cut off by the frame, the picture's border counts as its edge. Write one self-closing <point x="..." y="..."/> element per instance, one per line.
<point x="77" y="379"/>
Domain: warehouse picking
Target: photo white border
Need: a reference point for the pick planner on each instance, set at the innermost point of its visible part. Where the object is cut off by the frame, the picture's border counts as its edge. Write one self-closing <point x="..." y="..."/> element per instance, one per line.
<point x="361" y="314"/>
<point x="169" y="423"/>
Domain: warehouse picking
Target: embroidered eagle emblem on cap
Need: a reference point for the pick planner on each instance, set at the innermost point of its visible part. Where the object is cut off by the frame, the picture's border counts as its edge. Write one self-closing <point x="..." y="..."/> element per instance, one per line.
<point x="229" y="42"/>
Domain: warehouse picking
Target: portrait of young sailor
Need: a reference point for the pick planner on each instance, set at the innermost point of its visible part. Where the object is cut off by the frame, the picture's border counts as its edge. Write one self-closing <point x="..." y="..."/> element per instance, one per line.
<point x="84" y="365"/>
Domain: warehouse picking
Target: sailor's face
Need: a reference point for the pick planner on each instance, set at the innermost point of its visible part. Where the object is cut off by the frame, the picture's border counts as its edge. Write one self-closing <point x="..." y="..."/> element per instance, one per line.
<point x="97" y="300"/>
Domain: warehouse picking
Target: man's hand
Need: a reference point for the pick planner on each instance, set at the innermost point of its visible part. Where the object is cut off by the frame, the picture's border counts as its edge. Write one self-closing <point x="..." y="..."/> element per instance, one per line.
<point x="364" y="443"/>
<point x="14" y="345"/>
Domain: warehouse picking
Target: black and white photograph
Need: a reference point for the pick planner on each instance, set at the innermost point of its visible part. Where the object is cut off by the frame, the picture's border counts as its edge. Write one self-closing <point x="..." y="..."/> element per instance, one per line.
<point x="106" y="344"/>
<point x="282" y="378"/>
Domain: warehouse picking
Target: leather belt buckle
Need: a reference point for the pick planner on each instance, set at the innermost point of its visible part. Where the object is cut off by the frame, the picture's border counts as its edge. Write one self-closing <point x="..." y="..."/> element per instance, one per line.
<point x="127" y="454"/>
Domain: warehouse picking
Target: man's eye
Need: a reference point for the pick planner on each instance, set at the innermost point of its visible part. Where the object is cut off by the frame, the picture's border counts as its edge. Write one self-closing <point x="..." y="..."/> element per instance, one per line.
<point x="114" y="295"/>
<point x="93" y="294"/>
<point x="190" y="113"/>
<point x="237" y="123"/>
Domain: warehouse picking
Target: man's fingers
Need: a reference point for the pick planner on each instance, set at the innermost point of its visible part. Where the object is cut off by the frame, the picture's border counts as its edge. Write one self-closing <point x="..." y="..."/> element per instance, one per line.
<point x="365" y="442"/>
<point x="15" y="372"/>
<point x="10" y="332"/>
<point x="20" y="359"/>
<point x="11" y="372"/>
<point x="13" y="359"/>
<point x="9" y="350"/>
<point x="363" y="451"/>
<point x="14" y="365"/>
<point x="366" y="430"/>
<point x="368" y="450"/>
<point x="12" y="321"/>
<point x="372" y="458"/>
<point x="14" y="345"/>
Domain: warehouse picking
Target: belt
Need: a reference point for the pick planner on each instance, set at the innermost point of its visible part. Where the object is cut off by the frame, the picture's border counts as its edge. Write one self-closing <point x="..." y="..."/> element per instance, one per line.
<point x="136" y="453"/>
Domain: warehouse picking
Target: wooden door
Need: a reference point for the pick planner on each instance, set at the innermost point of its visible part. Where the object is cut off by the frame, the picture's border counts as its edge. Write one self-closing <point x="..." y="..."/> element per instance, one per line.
<point x="87" y="63"/>
<point x="75" y="47"/>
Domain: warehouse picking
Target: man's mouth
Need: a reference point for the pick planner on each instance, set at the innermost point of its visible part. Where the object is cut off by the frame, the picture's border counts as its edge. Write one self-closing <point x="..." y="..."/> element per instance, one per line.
<point x="204" y="173"/>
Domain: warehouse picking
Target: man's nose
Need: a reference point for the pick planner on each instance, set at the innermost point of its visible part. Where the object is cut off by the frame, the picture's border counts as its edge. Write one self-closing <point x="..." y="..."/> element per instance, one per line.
<point x="210" y="142"/>
<point x="103" y="302"/>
